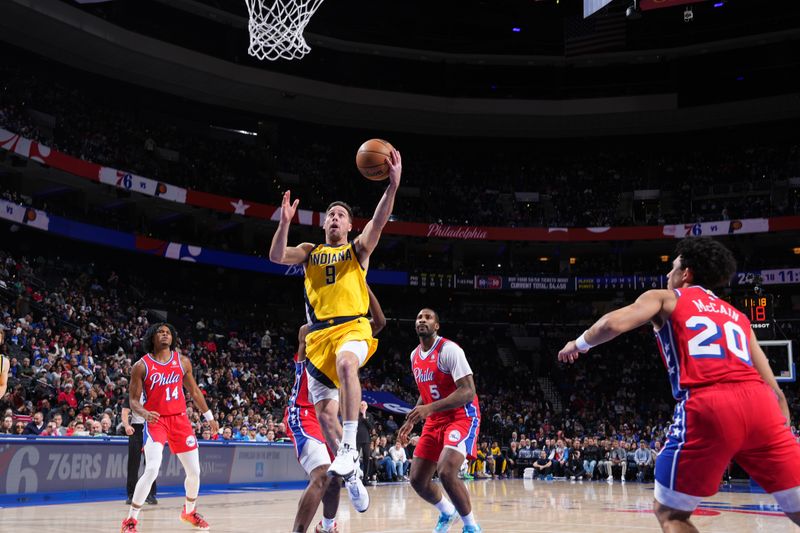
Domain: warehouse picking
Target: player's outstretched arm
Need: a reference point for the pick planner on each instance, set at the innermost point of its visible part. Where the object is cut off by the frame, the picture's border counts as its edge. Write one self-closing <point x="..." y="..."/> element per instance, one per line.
<point x="135" y="392"/>
<point x="279" y="252"/>
<point x="761" y="363"/>
<point x="377" y="318"/>
<point x="368" y="239"/>
<point x="613" y="324"/>
<point x="197" y="394"/>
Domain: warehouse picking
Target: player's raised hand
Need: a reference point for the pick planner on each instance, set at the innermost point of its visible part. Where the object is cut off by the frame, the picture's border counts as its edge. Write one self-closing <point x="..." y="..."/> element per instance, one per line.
<point x="395" y="163"/>
<point x="569" y="353"/>
<point x="288" y="208"/>
<point x="152" y="416"/>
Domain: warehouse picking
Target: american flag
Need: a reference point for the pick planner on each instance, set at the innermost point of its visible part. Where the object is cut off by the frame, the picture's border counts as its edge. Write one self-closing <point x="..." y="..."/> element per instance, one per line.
<point x="598" y="33"/>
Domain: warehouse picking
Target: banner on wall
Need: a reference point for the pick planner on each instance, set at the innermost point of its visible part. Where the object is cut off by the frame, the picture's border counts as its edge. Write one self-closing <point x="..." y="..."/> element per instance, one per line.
<point x="57" y="464"/>
<point x="386" y="401"/>
<point x="132" y="182"/>
<point x="177" y="251"/>
<point x="718" y="228"/>
<point x="25" y="215"/>
<point x="169" y="250"/>
<point x="40" y="153"/>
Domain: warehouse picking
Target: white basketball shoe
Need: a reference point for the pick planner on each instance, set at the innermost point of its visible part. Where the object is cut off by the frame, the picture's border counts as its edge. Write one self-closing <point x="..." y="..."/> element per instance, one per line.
<point x="346" y="462"/>
<point x="357" y="491"/>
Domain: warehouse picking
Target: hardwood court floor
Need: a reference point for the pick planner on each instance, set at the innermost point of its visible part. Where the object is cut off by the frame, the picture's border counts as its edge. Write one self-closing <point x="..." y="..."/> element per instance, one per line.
<point x="512" y="506"/>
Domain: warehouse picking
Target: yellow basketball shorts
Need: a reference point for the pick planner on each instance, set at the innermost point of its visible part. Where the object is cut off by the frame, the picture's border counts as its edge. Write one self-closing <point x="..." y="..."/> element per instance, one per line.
<point x="323" y="345"/>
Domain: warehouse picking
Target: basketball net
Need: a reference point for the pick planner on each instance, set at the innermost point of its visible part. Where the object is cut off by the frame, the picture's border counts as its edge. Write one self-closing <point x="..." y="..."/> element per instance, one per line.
<point x="276" y="28"/>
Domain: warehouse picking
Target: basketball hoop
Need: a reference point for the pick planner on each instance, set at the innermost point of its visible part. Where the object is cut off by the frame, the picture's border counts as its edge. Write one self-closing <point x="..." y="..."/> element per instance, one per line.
<point x="276" y="28"/>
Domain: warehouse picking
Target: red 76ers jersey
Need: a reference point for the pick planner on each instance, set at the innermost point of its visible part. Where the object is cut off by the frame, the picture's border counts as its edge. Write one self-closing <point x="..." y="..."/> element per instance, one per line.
<point x="300" y="417"/>
<point x="163" y="385"/>
<point x="436" y="373"/>
<point x="705" y="341"/>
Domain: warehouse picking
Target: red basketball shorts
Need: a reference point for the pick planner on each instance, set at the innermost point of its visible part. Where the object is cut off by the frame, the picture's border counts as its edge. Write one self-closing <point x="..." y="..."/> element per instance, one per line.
<point x="461" y="435"/>
<point x="174" y="430"/>
<point x="716" y="424"/>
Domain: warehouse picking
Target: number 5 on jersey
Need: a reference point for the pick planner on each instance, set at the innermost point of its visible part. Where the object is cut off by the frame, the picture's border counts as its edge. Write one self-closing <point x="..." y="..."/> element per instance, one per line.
<point x="435" y="392"/>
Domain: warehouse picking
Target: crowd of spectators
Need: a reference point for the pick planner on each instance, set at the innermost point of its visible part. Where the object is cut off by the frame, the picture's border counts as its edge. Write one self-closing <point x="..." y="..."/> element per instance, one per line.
<point x="71" y="341"/>
<point x="73" y="331"/>
<point x="588" y="186"/>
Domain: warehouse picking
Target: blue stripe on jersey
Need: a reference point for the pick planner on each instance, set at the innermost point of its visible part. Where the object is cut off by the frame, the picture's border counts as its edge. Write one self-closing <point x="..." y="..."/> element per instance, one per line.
<point x="472" y="435"/>
<point x="470" y="410"/>
<point x="294" y="418"/>
<point x="669" y="350"/>
<point x="668" y="458"/>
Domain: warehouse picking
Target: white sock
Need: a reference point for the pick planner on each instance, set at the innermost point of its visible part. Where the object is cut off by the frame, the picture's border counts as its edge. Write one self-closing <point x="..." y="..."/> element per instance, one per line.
<point x="134" y="512"/>
<point x="469" y="520"/>
<point x="328" y="523"/>
<point x="349" y="431"/>
<point x="445" y="507"/>
<point x="189" y="506"/>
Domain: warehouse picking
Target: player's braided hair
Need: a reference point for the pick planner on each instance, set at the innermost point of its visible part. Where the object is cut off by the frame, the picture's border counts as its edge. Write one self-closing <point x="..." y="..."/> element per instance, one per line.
<point x="341" y="204"/>
<point x="147" y="341"/>
<point x="712" y="264"/>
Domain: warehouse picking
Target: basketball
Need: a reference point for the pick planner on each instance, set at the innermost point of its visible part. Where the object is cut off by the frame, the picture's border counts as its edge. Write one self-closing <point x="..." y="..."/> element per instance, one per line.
<point x="371" y="159"/>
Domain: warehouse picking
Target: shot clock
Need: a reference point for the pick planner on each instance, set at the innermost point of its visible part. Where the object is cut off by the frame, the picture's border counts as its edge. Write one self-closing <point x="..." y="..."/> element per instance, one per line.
<point x="758" y="309"/>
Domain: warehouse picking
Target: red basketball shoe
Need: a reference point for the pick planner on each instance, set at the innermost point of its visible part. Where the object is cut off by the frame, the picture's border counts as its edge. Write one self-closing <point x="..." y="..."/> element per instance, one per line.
<point x="195" y="519"/>
<point x="129" y="525"/>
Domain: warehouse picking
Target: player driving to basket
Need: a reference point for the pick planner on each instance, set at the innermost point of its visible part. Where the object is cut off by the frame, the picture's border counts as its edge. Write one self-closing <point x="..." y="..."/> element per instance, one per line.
<point x="339" y="339"/>
<point x="304" y="430"/>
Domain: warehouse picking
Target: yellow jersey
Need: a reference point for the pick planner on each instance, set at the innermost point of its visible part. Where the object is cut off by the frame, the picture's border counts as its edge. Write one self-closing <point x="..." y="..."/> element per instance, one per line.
<point x="335" y="284"/>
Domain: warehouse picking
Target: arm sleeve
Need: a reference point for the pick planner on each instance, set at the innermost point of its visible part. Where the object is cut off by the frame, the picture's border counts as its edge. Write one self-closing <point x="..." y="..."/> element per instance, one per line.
<point x="453" y="361"/>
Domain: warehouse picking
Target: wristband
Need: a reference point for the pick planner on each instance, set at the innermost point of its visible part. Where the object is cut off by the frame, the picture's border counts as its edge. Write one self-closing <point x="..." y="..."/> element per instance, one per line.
<point x="208" y="416"/>
<point x="581" y="343"/>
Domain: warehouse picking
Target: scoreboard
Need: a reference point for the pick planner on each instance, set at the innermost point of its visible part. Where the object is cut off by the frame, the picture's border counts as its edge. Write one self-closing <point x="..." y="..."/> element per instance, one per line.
<point x="759" y="311"/>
